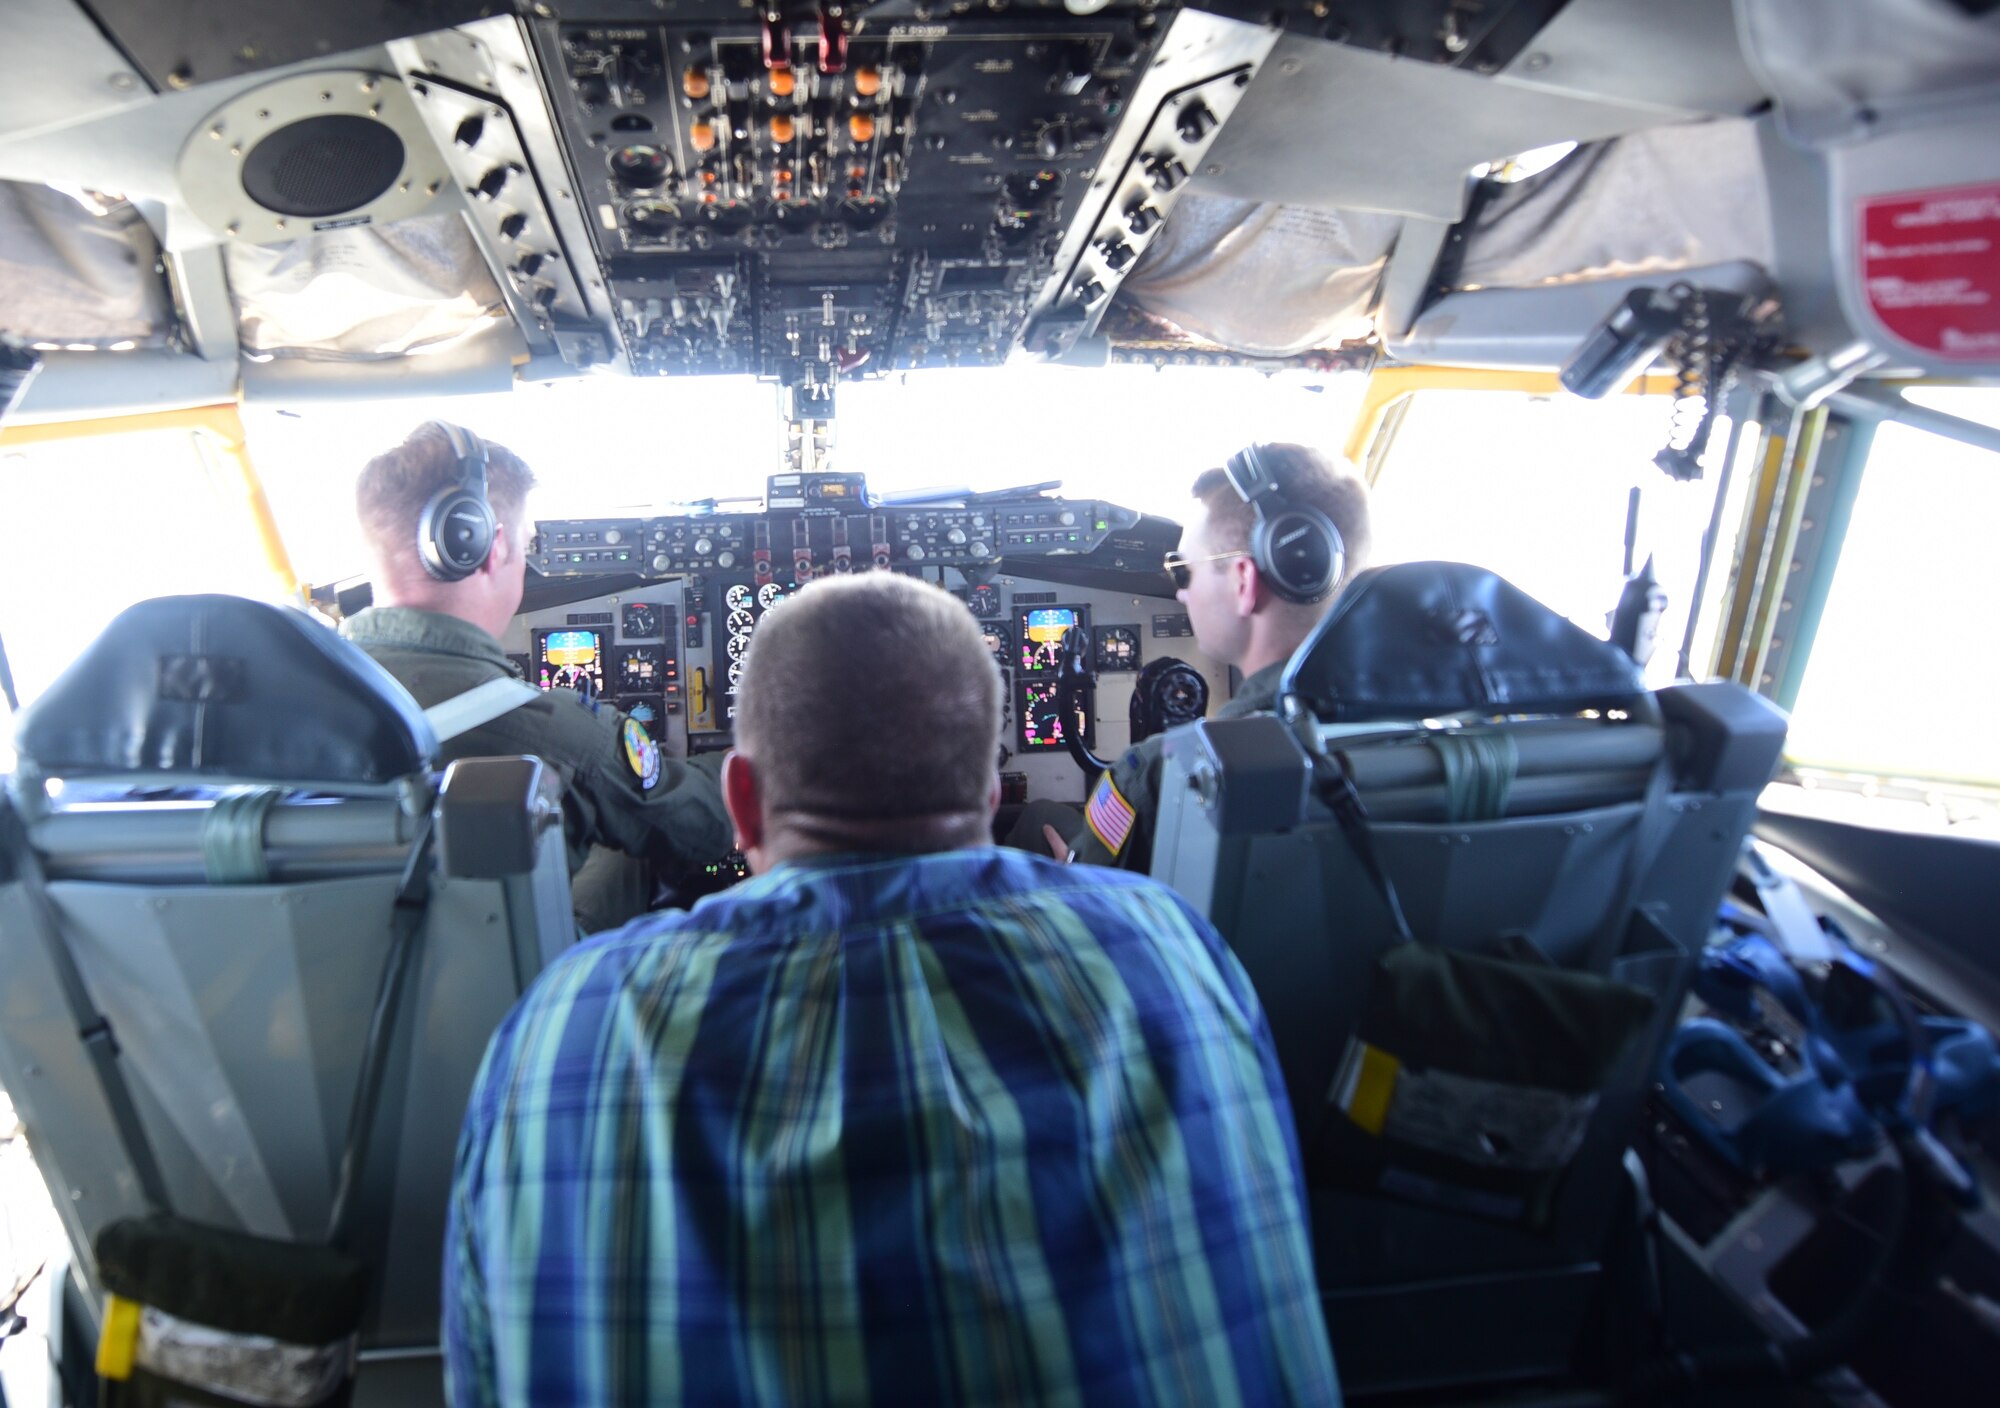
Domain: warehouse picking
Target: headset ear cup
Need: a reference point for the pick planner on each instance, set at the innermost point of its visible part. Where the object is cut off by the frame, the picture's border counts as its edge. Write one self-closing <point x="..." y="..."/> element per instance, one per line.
<point x="455" y="534"/>
<point x="1299" y="552"/>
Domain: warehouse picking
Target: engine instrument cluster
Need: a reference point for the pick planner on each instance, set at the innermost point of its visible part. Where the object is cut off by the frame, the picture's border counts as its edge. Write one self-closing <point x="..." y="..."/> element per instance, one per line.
<point x="1116" y="648"/>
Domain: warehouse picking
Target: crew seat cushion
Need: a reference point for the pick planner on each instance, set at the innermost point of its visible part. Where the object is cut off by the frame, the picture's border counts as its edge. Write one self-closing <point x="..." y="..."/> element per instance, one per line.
<point x="1421" y="639"/>
<point x="225" y="687"/>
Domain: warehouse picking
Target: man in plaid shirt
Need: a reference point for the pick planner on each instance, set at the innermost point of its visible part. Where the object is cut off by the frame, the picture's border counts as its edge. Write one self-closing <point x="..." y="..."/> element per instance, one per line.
<point x="907" y="1118"/>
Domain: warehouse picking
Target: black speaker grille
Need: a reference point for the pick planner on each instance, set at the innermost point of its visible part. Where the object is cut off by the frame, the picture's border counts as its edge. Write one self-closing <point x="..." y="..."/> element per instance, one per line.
<point x="321" y="166"/>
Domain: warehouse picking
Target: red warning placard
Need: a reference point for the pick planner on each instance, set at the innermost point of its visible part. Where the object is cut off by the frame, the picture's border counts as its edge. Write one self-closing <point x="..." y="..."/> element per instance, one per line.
<point x="1930" y="268"/>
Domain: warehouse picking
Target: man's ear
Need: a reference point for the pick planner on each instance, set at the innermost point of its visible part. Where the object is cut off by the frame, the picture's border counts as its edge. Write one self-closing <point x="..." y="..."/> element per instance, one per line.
<point x="505" y="548"/>
<point x="1249" y="584"/>
<point x="744" y="802"/>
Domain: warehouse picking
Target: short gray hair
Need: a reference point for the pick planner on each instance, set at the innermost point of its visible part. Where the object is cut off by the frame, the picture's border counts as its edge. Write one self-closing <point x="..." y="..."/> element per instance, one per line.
<point x="870" y="697"/>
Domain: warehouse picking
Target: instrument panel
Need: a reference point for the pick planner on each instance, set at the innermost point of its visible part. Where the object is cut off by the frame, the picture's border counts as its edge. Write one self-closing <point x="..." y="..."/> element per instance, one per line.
<point x="666" y="636"/>
<point x="797" y="192"/>
<point x="792" y="547"/>
<point x="640" y="675"/>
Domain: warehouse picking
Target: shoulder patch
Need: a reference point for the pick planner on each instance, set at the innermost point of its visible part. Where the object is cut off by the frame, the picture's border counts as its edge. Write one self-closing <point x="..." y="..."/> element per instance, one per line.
<point x="642" y="755"/>
<point x="1108" y="815"/>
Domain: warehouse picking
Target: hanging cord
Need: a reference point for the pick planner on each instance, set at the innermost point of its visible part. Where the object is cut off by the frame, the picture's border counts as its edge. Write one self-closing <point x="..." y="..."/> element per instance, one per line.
<point x="1688" y="352"/>
<point x="1713" y="341"/>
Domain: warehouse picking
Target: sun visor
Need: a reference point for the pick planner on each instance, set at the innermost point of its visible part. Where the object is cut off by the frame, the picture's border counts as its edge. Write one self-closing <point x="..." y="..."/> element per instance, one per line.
<point x="1653" y="202"/>
<point x="366" y="293"/>
<point x="1261" y="279"/>
<point x="1840" y="72"/>
<point x="79" y="271"/>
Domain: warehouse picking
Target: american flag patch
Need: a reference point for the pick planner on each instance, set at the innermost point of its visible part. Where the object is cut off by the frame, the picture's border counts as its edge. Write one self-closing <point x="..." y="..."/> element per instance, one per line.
<point x="1109" y="815"/>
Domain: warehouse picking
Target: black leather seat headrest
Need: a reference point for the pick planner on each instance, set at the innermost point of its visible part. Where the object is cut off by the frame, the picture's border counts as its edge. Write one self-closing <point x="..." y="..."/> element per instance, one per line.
<point x="1423" y="639"/>
<point x="225" y="687"/>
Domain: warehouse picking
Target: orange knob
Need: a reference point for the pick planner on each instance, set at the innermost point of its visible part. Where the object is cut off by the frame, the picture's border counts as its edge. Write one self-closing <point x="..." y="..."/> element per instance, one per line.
<point x="861" y="127"/>
<point x="868" y="81"/>
<point x="701" y="136"/>
<point x="781" y="129"/>
<point x="694" y="83"/>
<point x="782" y="82"/>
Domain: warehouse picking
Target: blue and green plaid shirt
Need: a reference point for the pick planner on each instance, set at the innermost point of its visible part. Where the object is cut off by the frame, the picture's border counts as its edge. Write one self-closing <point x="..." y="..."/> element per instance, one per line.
<point x="967" y="1128"/>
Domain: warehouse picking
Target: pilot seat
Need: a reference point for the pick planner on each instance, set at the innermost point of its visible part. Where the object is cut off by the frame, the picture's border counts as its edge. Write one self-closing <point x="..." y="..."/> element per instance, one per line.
<point x="1467" y="867"/>
<point x="252" y="950"/>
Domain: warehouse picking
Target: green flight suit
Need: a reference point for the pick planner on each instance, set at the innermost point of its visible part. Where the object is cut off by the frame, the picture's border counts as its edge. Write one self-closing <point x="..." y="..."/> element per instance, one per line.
<point x="674" y="820"/>
<point x="1127" y="799"/>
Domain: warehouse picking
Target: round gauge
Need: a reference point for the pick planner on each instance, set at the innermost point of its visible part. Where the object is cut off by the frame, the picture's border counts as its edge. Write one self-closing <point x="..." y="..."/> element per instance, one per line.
<point x="737" y="645"/>
<point x="640" y="167"/>
<point x="1117" y="648"/>
<point x="737" y="598"/>
<point x="639" y="667"/>
<point x="984" y="601"/>
<point x="769" y="595"/>
<point x="1041" y="657"/>
<point x="576" y="677"/>
<point x="641" y="620"/>
<point x="1000" y="640"/>
<point x="735" y="673"/>
<point x="740" y="619"/>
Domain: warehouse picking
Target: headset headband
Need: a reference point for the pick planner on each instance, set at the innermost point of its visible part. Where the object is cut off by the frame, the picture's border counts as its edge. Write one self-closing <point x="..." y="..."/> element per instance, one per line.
<point x="470" y="452"/>
<point x="1251" y="478"/>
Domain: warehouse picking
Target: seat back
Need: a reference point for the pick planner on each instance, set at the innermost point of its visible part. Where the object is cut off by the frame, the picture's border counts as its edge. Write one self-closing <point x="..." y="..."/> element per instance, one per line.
<point x="1564" y="806"/>
<point x="221" y="798"/>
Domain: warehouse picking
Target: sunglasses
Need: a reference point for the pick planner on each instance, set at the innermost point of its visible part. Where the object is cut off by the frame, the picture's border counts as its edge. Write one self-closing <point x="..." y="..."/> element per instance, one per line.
<point x="1181" y="568"/>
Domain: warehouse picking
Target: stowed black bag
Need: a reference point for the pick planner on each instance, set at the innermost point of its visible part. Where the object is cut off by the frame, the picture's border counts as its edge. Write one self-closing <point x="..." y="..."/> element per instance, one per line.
<point x="202" y="1315"/>
<point x="1471" y="1080"/>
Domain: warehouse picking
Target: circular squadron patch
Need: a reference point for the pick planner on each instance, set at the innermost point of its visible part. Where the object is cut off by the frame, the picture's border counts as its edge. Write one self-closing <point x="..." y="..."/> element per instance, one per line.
<point x="642" y="755"/>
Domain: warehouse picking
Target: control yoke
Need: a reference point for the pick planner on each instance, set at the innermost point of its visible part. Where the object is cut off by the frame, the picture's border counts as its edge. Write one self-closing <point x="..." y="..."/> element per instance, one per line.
<point x="1076" y="684"/>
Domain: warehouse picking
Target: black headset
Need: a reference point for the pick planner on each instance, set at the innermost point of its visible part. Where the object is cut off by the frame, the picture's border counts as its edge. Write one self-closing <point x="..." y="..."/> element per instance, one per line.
<point x="1297" y="549"/>
<point x="455" y="530"/>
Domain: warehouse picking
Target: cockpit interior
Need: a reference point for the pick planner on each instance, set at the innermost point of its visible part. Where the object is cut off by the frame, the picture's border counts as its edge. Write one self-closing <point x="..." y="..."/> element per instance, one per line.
<point x="1778" y="219"/>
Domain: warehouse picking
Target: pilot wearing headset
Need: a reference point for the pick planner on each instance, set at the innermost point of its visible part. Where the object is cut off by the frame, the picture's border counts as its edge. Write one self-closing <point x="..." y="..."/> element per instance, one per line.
<point x="444" y="516"/>
<point x="1272" y="537"/>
